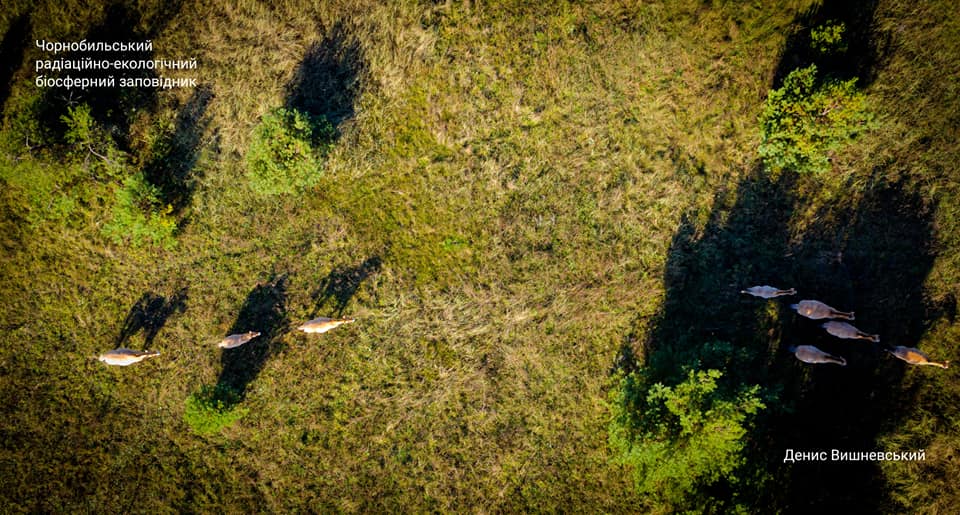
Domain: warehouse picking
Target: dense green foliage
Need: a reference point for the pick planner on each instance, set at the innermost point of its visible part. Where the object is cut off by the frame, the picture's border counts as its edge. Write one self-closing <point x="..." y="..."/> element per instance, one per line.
<point x="212" y="409"/>
<point x="681" y="439"/>
<point x="828" y="38"/>
<point x="95" y="172"/>
<point x="287" y="150"/>
<point x="808" y="119"/>
<point x="540" y="215"/>
<point x="139" y="215"/>
<point x="80" y="125"/>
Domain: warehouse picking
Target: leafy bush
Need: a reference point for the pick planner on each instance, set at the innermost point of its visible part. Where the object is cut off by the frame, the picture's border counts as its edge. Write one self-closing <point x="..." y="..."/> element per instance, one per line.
<point x="60" y="192"/>
<point x="139" y="216"/>
<point x="87" y="137"/>
<point x="80" y="125"/>
<point x="212" y="409"/>
<point x="805" y="121"/>
<point x="681" y="439"/>
<point x="828" y="38"/>
<point x="286" y="155"/>
<point x="138" y="213"/>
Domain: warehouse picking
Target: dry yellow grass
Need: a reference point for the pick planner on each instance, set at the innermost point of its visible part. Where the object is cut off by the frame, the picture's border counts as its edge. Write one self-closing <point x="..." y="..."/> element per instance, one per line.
<point x="521" y="175"/>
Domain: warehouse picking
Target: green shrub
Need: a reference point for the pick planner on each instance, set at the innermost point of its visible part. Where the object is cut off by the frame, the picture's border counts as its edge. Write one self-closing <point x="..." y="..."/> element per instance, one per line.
<point x="828" y="38"/>
<point x="805" y="121"/>
<point x="139" y="216"/>
<point x="681" y="439"/>
<point x="287" y="151"/>
<point x="80" y="125"/>
<point x="60" y="191"/>
<point x="212" y="409"/>
<point x="87" y="139"/>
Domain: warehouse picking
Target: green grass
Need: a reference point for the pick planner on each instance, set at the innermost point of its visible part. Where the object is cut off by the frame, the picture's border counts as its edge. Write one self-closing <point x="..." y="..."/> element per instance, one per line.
<point x="521" y="192"/>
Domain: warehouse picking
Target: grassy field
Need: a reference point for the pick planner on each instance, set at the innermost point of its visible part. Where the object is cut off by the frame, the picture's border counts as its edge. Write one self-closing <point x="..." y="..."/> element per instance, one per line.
<point x="523" y="203"/>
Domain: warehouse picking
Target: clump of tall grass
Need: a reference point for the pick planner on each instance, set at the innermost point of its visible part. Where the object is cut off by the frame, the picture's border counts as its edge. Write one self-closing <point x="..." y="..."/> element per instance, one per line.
<point x="139" y="216"/>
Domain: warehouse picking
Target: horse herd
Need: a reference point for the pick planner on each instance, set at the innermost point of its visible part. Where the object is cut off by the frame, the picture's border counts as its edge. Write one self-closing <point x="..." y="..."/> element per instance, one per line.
<point x="123" y="357"/>
<point x="816" y="310"/>
<point x="812" y="309"/>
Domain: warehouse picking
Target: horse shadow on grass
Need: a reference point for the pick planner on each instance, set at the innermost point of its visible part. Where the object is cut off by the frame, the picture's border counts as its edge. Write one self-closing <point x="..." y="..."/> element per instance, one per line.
<point x="149" y="314"/>
<point x="328" y="80"/>
<point x="870" y="255"/>
<point x="341" y="284"/>
<point x="263" y="311"/>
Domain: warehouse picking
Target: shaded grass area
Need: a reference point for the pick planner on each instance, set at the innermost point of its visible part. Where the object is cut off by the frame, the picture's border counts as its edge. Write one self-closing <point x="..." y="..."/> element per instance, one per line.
<point x="871" y="257"/>
<point x="865" y="240"/>
<point x="501" y="208"/>
<point x="862" y="48"/>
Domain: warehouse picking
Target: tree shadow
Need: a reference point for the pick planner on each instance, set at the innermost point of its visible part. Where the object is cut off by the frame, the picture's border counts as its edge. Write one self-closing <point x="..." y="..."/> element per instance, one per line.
<point x="871" y="256"/>
<point x="150" y="314"/>
<point x="744" y="236"/>
<point x="869" y="253"/>
<point x="172" y="164"/>
<point x="12" y="47"/>
<point x="864" y="47"/>
<point x="328" y="80"/>
<point x="113" y="108"/>
<point x="342" y="284"/>
<point x="263" y="311"/>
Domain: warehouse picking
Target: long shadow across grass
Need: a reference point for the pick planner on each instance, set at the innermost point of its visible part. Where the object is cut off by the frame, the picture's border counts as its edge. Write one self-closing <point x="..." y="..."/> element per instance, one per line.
<point x="172" y="167"/>
<point x="149" y="314"/>
<point x="869" y="253"/>
<point x="263" y="311"/>
<point x="872" y="258"/>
